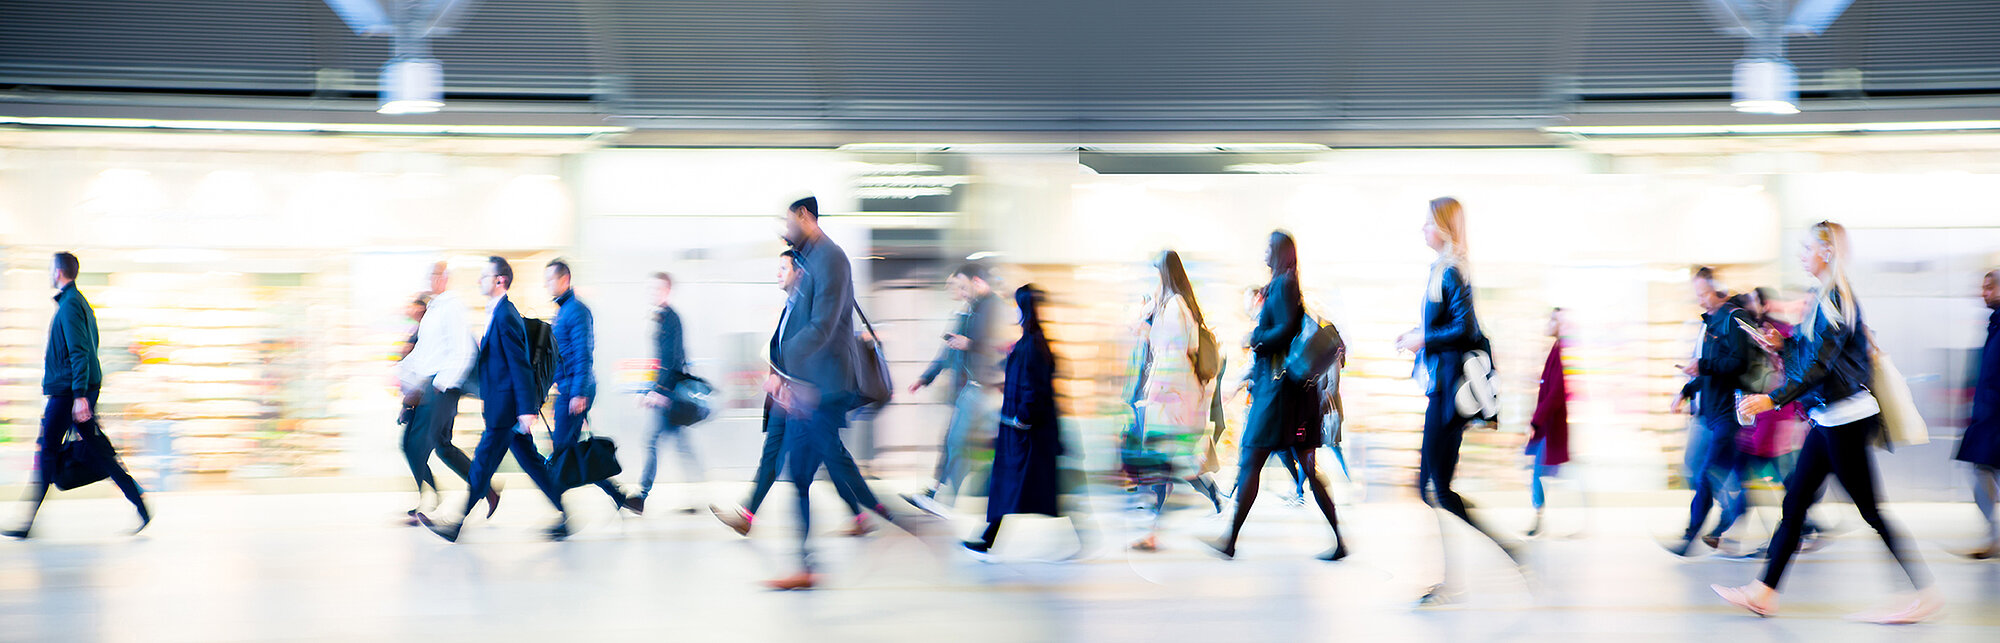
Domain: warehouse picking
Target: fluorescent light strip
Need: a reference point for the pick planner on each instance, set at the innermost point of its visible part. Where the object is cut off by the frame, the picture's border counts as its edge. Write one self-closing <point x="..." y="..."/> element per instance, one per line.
<point x="348" y="128"/>
<point x="1771" y="128"/>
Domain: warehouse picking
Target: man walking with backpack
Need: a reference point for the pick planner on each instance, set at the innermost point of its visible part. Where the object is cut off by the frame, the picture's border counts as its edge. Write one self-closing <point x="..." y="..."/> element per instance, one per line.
<point x="512" y="400"/>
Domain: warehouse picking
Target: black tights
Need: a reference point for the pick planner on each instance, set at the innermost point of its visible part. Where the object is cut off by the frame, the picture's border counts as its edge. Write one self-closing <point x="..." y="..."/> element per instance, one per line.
<point x="1842" y="451"/>
<point x="1443" y="431"/>
<point x="1251" y="471"/>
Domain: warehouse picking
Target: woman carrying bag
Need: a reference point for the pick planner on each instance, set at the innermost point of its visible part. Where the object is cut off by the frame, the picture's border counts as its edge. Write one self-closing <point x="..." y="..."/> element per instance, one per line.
<point x="1283" y="410"/>
<point x="1176" y="400"/>
<point x="1449" y="333"/>
<point x="1829" y="367"/>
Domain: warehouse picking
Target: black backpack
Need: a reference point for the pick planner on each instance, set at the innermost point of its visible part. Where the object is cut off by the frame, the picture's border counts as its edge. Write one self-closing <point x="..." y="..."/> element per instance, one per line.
<point x="542" y="354"/>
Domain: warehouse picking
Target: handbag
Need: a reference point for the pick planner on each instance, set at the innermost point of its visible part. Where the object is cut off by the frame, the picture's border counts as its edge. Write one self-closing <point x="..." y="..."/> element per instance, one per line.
<point x="586" y="461"/>
<point x="1901" y="424"/>
<point x="873" y="388"/>
<point x="689" y="402"/>
<point x="73" y="462"/>
<point x="1478" y="395"/>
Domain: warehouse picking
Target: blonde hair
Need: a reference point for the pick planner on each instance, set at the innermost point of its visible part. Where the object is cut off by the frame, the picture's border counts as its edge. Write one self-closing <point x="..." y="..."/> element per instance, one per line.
<point x="1833" y="237"/>
<point x="1449" y="217"/>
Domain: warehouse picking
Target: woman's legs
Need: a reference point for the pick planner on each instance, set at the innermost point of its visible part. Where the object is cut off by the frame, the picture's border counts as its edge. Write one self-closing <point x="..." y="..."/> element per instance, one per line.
<point x="1854" y="466"/>
<point x="1310" y="469"/>
<point x="1985" y="485"/>
<point x="1250" y="472"/>
<point x="1814" y="462"/>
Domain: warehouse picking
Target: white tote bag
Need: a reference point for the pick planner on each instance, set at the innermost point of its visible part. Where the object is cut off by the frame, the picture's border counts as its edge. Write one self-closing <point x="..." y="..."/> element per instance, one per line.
<point x="1901" y="425"/>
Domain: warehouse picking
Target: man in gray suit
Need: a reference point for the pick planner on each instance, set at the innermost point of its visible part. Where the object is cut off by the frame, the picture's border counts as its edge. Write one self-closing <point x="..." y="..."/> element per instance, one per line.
<point x="815" y="384"/>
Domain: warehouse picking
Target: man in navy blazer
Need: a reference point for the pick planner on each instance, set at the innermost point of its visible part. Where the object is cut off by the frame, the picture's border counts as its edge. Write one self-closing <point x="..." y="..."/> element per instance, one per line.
<point x="507" y="387"/>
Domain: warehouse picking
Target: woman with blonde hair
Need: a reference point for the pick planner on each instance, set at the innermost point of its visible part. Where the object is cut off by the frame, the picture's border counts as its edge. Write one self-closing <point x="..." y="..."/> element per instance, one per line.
<point x="1829" y="367"/>
<point x="1450" y="330"/>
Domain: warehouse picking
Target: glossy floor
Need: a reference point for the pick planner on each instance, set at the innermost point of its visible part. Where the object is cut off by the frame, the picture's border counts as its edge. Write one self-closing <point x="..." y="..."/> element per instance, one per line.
<point x="340" y="567"/>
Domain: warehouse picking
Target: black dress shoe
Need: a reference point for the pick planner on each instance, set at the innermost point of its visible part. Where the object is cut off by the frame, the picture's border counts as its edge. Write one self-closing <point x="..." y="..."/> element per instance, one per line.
<point x="447" y="531"/>
<point x="1338" y="552"/>
<point x="1226" y="551"/>
<point x="16" y="534"/>
<point x="492" y="501"/>
<point x="635" y="504"/>
<point x="559" y="532"/>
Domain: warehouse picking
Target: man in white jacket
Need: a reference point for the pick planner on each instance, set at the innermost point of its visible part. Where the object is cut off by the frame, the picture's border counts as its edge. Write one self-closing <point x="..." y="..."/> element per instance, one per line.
<point x="434" y="373"/>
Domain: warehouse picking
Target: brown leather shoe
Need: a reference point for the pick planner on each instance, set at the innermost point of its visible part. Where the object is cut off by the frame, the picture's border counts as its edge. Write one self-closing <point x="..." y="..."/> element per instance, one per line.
<point x="799" y="581"/>
<point x="737" y="519"/>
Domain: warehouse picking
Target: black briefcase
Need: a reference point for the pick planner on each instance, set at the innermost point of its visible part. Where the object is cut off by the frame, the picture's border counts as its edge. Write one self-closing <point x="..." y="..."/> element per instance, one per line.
<point x="73" y="462"/>
<point x="591" y="459"/>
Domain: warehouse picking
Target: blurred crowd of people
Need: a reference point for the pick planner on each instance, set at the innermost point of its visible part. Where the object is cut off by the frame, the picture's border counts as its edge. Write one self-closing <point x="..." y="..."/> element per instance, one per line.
<point x="1783" y="402"/>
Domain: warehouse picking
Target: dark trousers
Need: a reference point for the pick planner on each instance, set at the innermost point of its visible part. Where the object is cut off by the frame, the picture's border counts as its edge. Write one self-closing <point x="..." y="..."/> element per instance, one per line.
<point x="1843" y="452"/>
<point x="429" y="431"/>
<point x="811" y="442"/>
<point x="568" y="430"/>
<point x="57" y="420"/>
<point x="1719" y="478"/>
<point x="1444" y="430"/>
<point x="494" y="444"/>
<point x="767" y="470"/>
<point x="1250" y="472"/>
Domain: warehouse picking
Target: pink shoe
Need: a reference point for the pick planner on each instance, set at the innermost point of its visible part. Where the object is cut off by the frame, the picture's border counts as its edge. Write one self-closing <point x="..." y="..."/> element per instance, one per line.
<point x="1740" y="597"/>
<point x="1919" y="609"/>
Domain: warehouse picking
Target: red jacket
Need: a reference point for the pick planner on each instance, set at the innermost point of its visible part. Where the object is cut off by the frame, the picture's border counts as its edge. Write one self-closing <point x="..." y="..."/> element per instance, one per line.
<point x="1551" y="421"/>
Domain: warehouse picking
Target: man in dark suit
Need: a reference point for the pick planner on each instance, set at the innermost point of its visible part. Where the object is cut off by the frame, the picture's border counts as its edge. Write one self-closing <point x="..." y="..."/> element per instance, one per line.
<point x="71" y="377"/>
<point x="507" y="386"/>
<point x="815" y="384"/>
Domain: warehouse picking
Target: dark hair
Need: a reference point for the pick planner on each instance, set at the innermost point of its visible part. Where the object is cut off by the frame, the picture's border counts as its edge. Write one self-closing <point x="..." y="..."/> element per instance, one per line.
<point x="1028" y="299"/>
<point x="1765" y="294"/>
<point x="1704" y="272"/>
<point x="502" y="270"/>
<point x="1741" y="301"/>
<point x="972" y="270"/>
<point x="792" y="255"/>
<point x="68" y="265"/>
<point x="809" y="204"/>
<point x="1174" y="277"/>
<point x="664" y="277"/>
<point x="561" y="266"/>
<point x="1284" y="253"/>
<point x="422" y="301"/>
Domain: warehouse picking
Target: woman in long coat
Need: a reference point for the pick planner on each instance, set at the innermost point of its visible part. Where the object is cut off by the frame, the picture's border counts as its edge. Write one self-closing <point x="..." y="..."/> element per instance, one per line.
<point x="1284" y="413"/>
<point x="1025" y="478"/>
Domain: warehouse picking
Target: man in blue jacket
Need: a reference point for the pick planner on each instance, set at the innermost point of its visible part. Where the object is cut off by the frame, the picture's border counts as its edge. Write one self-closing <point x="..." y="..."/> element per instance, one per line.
<point x="511" y="403"/>
<point x="815" y="385"/>
<point x="1980" y="446"/>
<point x="71" y="377"/>
<point x="1717" y="374"/>
<point x="576" y="382"/>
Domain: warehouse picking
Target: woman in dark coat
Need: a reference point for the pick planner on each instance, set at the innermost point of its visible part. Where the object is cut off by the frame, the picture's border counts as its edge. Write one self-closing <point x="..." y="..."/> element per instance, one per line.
<point x="1450" y="330"/>
<point x="1025" y="477"/>
<point x="1284" y="412"/>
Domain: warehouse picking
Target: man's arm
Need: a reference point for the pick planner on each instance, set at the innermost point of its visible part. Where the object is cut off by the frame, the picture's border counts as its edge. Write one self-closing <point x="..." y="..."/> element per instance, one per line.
<point x="513" y="352"/>
<point x="77" y="345"/>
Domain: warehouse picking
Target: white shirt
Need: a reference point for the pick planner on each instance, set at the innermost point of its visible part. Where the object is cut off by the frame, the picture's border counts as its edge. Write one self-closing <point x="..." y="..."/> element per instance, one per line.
<point x="444" y="346"/>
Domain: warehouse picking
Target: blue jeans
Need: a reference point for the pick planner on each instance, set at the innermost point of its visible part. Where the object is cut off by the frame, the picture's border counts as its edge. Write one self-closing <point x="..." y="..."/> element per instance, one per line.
<point x="811" y="442"/>
<point x="1719" y="478"/>
<point x="968" y="413"/>
<point x="568" y="430"/>
<point x="1536" y="450"/>
<point x="691" y="468"/>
